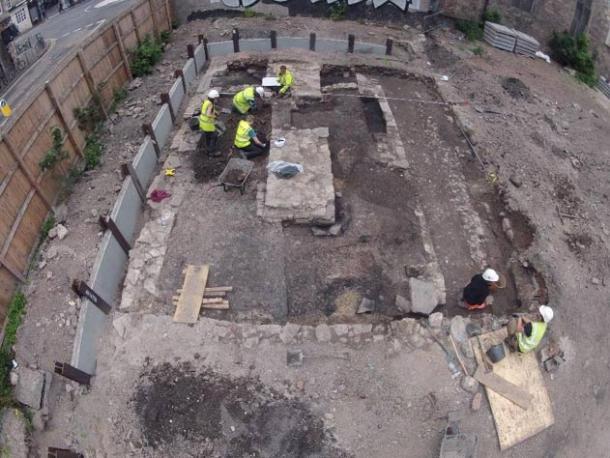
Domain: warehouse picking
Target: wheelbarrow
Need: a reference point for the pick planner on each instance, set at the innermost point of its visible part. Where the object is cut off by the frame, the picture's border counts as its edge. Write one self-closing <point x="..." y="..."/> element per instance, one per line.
<point x="235" y="174"/>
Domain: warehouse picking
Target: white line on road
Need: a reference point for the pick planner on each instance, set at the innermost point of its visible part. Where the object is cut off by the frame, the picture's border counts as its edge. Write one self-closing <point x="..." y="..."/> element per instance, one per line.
<point x="66" y="34"/>
<point x="77" y="30"/>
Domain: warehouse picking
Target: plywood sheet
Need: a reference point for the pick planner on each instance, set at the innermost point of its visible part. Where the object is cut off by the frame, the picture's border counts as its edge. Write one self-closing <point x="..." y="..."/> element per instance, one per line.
<point x="189" y="302"/>
<point x="514" y="424"/>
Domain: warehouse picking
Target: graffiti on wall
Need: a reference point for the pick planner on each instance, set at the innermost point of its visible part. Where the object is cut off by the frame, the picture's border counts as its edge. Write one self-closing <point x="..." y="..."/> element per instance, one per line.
<point x="402" y="4"/>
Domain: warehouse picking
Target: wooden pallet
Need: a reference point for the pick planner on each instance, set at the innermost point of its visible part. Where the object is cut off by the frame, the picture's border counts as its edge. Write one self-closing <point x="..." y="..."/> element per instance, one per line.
<point x="213" y="297"/>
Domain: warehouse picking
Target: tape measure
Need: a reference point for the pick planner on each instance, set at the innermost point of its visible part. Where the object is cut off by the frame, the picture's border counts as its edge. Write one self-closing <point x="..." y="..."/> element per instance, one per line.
<point x="5" y="108"/>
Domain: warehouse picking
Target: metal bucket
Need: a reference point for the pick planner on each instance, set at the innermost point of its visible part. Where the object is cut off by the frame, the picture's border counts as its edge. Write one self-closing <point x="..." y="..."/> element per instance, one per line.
<point x="496" y="353"/>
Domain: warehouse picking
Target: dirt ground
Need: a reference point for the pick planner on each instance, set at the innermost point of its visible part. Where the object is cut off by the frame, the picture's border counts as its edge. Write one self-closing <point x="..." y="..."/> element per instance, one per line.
<point x="543" y="140"/>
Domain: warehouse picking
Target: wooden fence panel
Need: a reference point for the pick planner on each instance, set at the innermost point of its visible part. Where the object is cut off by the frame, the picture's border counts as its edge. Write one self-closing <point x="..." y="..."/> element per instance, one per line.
<point x="12" y="200"/>
<point x="7" y="166"/>
<point x="128" y="32"/>
<point x="144" y="20"/>
<point x="7" y="288"/>
<point x="161" y="18"/>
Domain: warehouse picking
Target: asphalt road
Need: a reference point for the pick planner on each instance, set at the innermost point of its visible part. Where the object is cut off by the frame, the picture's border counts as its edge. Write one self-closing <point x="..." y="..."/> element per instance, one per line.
<point x="65" y="33"/>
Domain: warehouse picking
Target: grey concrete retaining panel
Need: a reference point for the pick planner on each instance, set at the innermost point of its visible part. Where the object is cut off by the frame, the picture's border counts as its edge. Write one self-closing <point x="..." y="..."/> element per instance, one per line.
<point x="220" y="48"/>
<point x="106" y="278"/>
<point x="292" y="42"/>
<point x="189" y="72"/>
<point x="145" y="162"/>
<point x="127" y="209"/>
<point x="176" y="95"/>
<point x="369" y="48"/>
<point x="162" y="125"/>
<point x="255" y="44"/>
<point x="200" y="57"/>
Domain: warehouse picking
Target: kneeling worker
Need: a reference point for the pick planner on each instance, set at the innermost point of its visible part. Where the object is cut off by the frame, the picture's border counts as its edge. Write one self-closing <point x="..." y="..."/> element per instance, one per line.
<point x="284" y="77"/>
<point x="247" y="141"/>
<point x="478" y="293"/>
<point x="207" y="121"/>
<point x="245" y="100"/>
<point x="526" y="335"/>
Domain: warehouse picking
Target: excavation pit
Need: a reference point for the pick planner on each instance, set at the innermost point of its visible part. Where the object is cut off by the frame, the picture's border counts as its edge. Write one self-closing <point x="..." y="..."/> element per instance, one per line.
<point x="406" y="202"/>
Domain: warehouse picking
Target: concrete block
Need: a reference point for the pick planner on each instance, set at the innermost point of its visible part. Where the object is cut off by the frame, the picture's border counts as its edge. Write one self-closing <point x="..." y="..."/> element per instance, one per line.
<point x="145" y="162"/>
<point x="176" y="95"/>
<point x="200" y="57"/>
<point x="189" y="71"/>
<point x="424" y="296"/>
<point x="162" y="125"/>
<point x="127" y="210"/>
<point x="30" y="387"/>
<point x="255" y="44"/>
<point x="220" y="48"/>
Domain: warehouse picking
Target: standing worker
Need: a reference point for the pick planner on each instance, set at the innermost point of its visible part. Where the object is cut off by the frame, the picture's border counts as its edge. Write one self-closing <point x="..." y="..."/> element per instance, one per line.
<point x="247" y="141"/>
<point x="284" y="77"/>
<point x="526" y="335"/>
<point x="478" y="293"/>
<point x="245" y="100"/>
<point x="207" y="122"/>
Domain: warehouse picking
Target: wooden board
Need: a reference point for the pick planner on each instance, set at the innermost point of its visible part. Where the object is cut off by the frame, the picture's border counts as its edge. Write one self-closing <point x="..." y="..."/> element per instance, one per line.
<point x="189" y="302"/>
<point x="223" y="305"/>
<point x="514" y="424"/>
<point x="504" y="388"/>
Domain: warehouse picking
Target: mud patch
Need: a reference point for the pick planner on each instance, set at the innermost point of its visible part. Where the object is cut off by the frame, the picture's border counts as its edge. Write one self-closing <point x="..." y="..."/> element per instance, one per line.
<point x="225" y="416"/>
<point x="209" y="168"/>
<point x="579" y="244"/>
<point x="516" y="88"/>
<point x="334" y="74"/>
<point x="564" y="192"/>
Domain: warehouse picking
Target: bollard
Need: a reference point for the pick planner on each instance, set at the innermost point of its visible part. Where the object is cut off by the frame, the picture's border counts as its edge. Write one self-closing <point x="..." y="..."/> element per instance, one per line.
<point x="235" y="40"/>
<point x="312" y="41"/>
<point x="388" y="47"/>
<point x="273" y="36"/>
<point x="350" y="43"/>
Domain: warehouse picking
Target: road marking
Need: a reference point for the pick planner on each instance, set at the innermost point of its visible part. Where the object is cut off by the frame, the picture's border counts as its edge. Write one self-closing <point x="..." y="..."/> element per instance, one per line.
<point x="77" y="30"/>
<point x="104" y="3"/>
<point x="66" y="34"/>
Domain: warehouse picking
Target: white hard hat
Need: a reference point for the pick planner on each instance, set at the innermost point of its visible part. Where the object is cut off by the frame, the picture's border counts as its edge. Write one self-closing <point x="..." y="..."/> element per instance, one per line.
<point x="490" y="275"/>
<point x="213" y="94"/>
<point x="260" y="91"/>
<point x="546" y="312"/>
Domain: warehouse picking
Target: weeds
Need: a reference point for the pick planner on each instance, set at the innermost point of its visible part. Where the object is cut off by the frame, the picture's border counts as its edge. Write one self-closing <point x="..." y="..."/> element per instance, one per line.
<point x="16" y="310"/>
<point x="574" y="52"/>
<point x="337" y="11"/>
<point x="146" y="56"/>
<point x="47" y="225"/>
<point x="118" y="96"/>
<point x="473" y="30"/>
<point x="56" y="154"/>
<point x="165" y="36"/>
<point x="478" y="51"/>
<point x="90" y="116"/>
<point x="93" y="151"/>
<point x="492" y="15"/>
<point x="249" y="13"/>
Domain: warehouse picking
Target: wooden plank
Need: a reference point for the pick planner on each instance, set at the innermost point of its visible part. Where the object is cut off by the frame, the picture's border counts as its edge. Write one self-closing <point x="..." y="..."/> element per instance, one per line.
<point x="504" y="388"/>
<point x="213" y="300"/>
<point x="224" y="305"/>
<point x="189" y="303"/>
<point x="514" y="424"/>
<point x="219" y="289"/>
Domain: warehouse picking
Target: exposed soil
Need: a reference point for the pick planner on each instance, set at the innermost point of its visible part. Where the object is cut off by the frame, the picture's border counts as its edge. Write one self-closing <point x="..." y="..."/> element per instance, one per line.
<point x="515" y="88"/>
<point x="223" y="416"/>
<point x="333" y="74"/>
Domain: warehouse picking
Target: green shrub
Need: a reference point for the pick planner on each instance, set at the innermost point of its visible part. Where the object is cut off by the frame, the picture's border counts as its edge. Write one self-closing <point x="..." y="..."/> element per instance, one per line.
<point x="146" y="56"/>
<point x="93" y="152"/>
<point x="473" y="30"/>
<point x="492" y="15"/>
<point x="338" y="10"/>
<point x="574" y="52"/>
<point x="249" y="13"/>
<point x="56" y="154"/>
<point x="91" y="116"/>
<point x="16" y="310"/>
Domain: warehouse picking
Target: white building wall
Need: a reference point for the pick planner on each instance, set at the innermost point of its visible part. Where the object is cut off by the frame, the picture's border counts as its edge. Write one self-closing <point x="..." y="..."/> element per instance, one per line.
<point x="20" y="16"/>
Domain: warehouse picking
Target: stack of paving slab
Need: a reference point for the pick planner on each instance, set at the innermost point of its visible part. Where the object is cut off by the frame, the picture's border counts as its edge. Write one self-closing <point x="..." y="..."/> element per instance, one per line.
<point x="604" y="87"/>
<point x="512" y="40"/>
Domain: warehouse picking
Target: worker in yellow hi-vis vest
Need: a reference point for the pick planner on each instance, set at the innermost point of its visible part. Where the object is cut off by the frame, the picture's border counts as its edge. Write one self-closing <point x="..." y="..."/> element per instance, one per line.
<point x="245" y="101"/>
<point x="5" y="108"/>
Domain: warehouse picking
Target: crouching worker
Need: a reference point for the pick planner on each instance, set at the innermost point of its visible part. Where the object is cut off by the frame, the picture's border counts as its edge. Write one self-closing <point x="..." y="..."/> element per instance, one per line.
<point x="478" y="293"/>
<point x="247" y="141"/>
<point x="245" y="101"/>
<point x="525" y="335"/>
<point x="284" y="77"/>
<point x="207" y="122"/>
